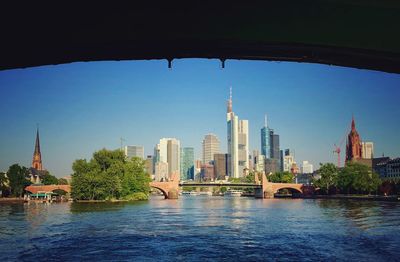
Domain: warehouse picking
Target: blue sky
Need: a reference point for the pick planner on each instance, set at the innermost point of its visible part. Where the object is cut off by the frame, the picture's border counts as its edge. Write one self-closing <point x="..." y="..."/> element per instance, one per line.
<point x="83" y="107"/>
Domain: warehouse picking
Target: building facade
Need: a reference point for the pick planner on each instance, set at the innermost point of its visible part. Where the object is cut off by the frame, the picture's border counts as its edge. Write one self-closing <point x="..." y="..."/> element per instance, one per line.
<point x="207" y="172"/>
<point x="238" y="142"/>
<point x="168" y="151"/>
<point x="134" y="151"/>
<point x="367" y="150"/>
<point x="161" y="171"/>
<point x="187" y="163"/>
<point x="307" y="168"/>
<point x="265" y="139"/>
<point x="288" y="160"/>
<point x="220" y="166"/>
<point x="210" y="146"/>
<point x="353" y="145"/>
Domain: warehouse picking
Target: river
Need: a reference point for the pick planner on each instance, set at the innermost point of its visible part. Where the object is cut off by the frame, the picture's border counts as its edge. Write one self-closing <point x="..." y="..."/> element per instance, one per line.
<point x="197" y="228"/>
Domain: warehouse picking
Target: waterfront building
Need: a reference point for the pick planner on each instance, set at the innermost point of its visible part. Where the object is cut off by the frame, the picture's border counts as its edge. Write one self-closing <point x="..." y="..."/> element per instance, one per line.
<point x="393" y="169"/>
<point x="272" y="165"/>
<point x="220" y="166"/>
<point x="379" y="165"/>
<point x="207" y="172"/>
<point x="168" y="151"/>
<point x="307" y="168"/>
<point x="134" y="151"/>
<point x="237" y="138"/>
<point x="210" y="147"/>
<point x="187" y="163"/>
<point x="367" y="150"/>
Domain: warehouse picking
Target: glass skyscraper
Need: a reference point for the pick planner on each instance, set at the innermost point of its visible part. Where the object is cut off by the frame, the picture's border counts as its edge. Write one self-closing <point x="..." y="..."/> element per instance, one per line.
<point x="187" y="163"/>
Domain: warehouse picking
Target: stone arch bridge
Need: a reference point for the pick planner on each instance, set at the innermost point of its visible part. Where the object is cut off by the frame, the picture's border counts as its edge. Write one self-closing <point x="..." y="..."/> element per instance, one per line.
<point x="47" y="188"/>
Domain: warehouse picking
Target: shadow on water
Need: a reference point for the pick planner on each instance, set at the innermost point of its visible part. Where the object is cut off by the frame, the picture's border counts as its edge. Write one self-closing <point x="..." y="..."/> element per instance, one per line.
<point x="363" y="214"/>
<point x="87" y="207"/>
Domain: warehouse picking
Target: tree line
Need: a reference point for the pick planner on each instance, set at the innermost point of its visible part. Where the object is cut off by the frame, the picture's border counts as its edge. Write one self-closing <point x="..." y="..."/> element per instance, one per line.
<point x="109" y="175"/>
<point x="353" y="178"/>
<point x="14" y="181"/>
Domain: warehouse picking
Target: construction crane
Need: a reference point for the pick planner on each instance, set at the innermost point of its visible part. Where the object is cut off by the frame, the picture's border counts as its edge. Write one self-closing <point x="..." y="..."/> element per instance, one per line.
<point x="337" y="149"/>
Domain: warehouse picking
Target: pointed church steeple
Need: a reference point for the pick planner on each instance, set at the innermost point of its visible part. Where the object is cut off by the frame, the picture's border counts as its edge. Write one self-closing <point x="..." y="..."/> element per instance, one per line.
<point x="353" y="146"/>
<point x="37" y="155"/>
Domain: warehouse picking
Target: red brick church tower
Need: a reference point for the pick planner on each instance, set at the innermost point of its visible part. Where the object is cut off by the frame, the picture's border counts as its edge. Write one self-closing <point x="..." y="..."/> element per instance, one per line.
<point x="37" y="156"/>
<point x="353" y="146"/>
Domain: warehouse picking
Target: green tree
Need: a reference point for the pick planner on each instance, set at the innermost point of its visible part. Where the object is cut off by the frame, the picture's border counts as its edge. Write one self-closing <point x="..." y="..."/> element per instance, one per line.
<point x="49" y="179"/>
<point x="108" y="175"/>
<point x="62" y="181"/>
<point x="4" y="185"/>
<point x="358" y="178"/>
<point x="329" y="177"/>
<point x="281" y="177"/>
<point x="18" y="178"/>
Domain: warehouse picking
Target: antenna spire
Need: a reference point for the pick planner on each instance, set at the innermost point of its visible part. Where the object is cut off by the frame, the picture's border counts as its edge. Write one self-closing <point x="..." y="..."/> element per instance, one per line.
<point x="266" y="120"/>
<point x="229" y="109"/>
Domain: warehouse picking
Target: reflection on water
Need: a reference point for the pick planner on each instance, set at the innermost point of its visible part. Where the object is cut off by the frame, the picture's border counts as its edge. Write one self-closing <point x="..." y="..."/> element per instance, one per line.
<point x="202" y="228"/>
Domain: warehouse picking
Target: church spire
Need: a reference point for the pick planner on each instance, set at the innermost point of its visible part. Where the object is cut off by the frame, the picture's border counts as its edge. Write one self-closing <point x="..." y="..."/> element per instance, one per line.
<point x="37" y="155"/>
<point x="353" y="124"/>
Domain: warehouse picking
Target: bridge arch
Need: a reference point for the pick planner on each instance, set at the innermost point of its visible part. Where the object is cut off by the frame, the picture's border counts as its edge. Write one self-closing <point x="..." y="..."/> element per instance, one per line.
<point x="165" y="193"/>
<point x="298" y="188"/>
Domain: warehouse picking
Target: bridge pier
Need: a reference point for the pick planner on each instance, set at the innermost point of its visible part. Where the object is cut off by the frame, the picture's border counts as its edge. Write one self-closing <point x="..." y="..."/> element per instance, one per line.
<point x="173" y="194"/>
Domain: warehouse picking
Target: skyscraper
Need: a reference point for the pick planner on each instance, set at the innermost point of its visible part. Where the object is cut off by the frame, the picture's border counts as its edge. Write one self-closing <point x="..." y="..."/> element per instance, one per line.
<point x="134" y="151"/>
<point x="210" y="147"/>
<point x="288" y="160"/>
<point x="265" y="139"/>
<point x="37" y="155"/>
<point x="168" y="151"/>
<point x="243" y="146"/>
<point x="187" y="163"/>
<point x="237" y="135"/>
<point x="220" y="166"/>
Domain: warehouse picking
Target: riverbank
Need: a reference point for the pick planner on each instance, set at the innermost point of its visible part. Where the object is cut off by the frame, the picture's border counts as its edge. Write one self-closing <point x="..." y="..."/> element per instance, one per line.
<point x="12" y="200"/>
<point x="354" y="197"/>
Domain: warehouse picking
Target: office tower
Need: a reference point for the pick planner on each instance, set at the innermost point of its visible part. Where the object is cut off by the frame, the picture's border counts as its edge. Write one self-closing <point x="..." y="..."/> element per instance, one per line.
<point x="207" y="172"/>
<point x="288" y="160"/>
<point x="367" y="150"/>
<point x="307" y="168"/>
<point x="237" y="135"/>
<point x="220" y="166"/>
<point x="243" y="146"/>
<point x="259" y="163"/>
<point x="210" y="146"/>
<point x="187" y="163"/>
<point x="265" y="139"/>
<point x="168" y="151"/>
<point x="134" y="151"/>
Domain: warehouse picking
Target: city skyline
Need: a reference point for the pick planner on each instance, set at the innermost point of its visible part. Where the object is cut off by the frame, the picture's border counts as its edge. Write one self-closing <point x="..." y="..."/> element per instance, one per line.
<point x="83" y="107"/>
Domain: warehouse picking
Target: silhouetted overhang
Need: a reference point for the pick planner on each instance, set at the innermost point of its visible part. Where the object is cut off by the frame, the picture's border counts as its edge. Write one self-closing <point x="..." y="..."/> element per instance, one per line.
<point x="351" y="33"/>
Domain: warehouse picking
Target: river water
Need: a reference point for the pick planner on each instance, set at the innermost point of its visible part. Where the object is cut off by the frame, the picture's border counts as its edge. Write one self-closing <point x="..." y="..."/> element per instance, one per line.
<point x="201" y="229"/>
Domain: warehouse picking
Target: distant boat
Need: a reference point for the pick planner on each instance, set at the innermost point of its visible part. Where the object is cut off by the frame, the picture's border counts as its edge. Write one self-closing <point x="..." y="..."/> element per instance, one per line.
<point x="191" y="193"/>
<point x="233" y="193"/>
<point x="206" y="193"/>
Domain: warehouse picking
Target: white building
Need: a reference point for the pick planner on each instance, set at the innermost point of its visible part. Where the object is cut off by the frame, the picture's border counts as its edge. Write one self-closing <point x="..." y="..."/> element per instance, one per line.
<point x="288" y="161"/>
<point x="260" y="163"/>
<point x="134" y="151"/>
<point x="161" y="171"/>
<point x="367" y="150"/>
<point x="168" y="151"/>
<point x="210" y="146"/>
<point x="233" y="142"/>
<point x="307" y="168"/>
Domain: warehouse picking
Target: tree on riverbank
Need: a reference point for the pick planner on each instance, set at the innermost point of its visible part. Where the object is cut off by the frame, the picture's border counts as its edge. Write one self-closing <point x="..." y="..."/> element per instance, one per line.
<point x="353" y="178"/>
<point x="18" y="179"/>
<point x="328" y="177"/>
<point x="281" y="177"/>
<point x="109" y="175"/>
